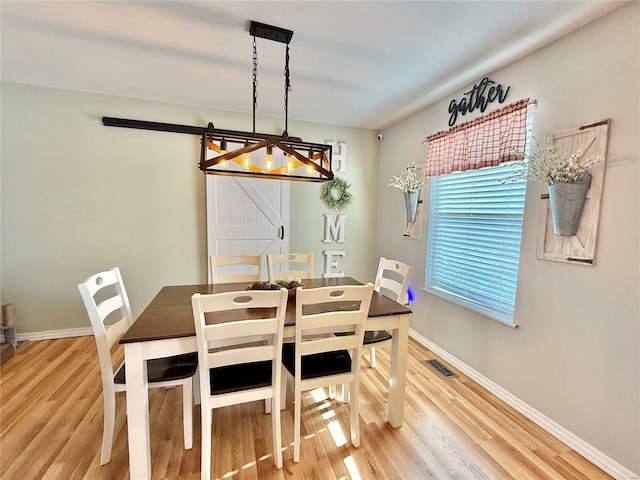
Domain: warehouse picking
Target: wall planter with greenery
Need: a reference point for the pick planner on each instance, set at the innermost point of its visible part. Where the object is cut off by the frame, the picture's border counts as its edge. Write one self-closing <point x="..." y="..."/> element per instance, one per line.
<point x="568" y="179"/>
<point x="409" y="183"/>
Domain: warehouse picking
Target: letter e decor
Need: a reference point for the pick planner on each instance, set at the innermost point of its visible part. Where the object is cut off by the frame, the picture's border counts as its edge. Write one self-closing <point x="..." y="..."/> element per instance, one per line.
<point x="330" y="263"/>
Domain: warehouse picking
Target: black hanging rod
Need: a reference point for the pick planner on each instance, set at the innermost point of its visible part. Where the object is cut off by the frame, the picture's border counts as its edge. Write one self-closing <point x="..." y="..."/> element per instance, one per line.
<point x="157" y="126"/>
<point x="189" y="129"/>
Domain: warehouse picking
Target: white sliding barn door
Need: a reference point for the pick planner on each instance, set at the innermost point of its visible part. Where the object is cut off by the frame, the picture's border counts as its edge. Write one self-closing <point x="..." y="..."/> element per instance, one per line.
<point x="247" y="216"/>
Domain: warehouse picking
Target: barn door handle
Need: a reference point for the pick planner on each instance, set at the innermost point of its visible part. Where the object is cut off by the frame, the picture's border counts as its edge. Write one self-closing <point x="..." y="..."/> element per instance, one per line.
<point x="281" y="232"/>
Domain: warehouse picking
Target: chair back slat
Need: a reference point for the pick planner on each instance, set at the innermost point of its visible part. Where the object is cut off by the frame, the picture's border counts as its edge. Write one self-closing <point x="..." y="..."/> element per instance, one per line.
<point x="235" y="268"/>
<point x="329" y="319"/>
<point x="101" y="280"/>
<point x="328" y="344"/>
<point x="283" y="265"/>
<point x="230" y="330"/>
<point x="248" y="354"/>
<point x="110" y="305"/>
<point x="238" y="300"/>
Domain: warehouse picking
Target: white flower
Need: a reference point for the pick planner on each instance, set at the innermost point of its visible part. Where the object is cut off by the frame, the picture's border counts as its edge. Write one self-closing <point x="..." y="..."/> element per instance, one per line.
<point x="546" y="166"/>
<point x="409" y="181"/>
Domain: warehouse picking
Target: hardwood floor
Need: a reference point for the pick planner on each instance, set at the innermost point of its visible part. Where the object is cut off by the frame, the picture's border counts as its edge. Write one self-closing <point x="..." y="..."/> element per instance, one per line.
<point x="51" y="427"/>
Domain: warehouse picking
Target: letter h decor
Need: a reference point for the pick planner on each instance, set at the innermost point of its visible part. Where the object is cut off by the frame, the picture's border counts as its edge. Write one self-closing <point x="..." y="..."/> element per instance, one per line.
<point x="338" y="155"/>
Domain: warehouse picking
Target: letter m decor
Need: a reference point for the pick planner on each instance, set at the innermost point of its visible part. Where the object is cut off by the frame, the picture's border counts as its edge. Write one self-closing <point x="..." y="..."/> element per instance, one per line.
<point x="334" y="231"/>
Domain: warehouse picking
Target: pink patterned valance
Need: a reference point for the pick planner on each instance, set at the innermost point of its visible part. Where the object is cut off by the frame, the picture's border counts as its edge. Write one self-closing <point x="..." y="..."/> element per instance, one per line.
<point x="486" y="141"/>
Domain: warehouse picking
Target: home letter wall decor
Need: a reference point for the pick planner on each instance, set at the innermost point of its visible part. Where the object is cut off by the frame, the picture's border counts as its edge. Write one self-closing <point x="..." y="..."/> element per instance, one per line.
<point x="334" y="231"/>
<point x="339" y="155"/>
<point x="330" y="263"/>
<point x="579" y="248"/>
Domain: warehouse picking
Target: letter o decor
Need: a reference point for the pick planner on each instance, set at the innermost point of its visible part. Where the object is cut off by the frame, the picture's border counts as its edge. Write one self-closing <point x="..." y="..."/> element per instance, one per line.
<point x="335" y="194"/>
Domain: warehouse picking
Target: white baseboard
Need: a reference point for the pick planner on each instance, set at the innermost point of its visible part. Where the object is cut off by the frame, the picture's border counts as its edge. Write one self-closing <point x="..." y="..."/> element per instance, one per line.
<point x="52" y="334"/>
<point x="588" y="451"/>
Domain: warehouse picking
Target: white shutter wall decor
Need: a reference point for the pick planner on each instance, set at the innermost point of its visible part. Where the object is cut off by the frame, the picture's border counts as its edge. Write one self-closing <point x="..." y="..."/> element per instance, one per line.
<point x="579" y="248"/>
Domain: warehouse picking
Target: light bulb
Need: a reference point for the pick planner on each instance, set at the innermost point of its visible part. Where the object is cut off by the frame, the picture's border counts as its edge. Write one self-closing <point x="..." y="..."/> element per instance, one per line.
<point x="310" y="169"/>
<point x="246" y="159"/>
<point x="268" y="160"/>
<point x="223" y="150"/>
<point x="290" y="161"/>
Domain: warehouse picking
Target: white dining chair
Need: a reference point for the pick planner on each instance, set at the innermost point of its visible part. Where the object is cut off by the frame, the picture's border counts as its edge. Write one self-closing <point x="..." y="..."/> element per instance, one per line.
<point x="240" y="359"/>
<point x="235" y="268"/>
<point x="392" y="280"/>
<point x="283" y="265"/>
<point x="319" y="358"/>
<point x="104" y="298"/>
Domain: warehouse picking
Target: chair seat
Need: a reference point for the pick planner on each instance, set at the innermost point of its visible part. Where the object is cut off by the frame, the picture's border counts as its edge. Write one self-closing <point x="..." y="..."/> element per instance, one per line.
<point x="235" y="378"/>
<point x="376" y="336"/>
<point x="165" y="369"/>
<point x="318" y="365"/>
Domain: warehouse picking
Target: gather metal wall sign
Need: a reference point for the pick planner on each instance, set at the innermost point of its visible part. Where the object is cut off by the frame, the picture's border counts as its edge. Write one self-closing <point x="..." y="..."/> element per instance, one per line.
<point x="482" y="93"/>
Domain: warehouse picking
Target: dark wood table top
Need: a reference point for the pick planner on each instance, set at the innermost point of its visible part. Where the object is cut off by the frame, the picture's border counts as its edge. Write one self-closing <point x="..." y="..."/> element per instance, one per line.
<point x="170" y="315"/>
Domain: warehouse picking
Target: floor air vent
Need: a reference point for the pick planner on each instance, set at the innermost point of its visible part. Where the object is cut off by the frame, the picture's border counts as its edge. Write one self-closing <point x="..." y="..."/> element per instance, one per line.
<point x="440" y="368"/>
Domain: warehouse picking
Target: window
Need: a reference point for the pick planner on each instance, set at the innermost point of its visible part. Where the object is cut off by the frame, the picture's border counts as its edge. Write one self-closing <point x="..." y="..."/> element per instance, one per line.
<point x="475" y="225"/>
<point x="475" y="220"/>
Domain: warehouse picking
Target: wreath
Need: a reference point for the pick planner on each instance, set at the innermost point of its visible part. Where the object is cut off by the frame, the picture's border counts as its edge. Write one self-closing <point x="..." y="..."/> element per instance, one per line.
<point x="335" y="194"/>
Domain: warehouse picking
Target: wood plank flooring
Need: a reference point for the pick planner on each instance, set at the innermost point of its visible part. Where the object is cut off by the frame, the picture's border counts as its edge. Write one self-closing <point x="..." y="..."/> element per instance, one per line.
<point x="51" y="428"/>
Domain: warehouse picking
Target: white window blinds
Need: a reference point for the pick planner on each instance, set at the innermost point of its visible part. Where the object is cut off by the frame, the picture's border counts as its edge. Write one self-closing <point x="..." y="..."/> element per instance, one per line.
<point x="475" y="224"/>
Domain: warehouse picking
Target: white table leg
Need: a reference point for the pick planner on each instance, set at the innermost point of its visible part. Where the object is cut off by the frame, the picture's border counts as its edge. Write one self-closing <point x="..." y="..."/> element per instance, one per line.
<point x="137" y="412"/>
<point x="397" y="380"/>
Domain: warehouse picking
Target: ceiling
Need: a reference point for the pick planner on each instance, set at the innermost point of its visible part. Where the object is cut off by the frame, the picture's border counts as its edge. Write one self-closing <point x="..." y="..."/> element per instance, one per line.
<point x="362" y="64"/>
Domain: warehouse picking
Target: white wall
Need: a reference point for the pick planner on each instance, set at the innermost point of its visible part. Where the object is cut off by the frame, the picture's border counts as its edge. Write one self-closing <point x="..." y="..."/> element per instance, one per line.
<point x="575" y="355"/>
<point x="79" y="197"/>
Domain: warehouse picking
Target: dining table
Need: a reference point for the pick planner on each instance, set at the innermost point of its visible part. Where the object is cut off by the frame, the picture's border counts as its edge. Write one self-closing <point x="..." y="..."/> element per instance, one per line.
<point x="166" y="328"/>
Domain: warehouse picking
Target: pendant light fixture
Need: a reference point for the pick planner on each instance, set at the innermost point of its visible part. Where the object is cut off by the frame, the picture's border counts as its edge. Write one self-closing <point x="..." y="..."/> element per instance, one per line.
<point x="251" y="154"/>
<point x="262" y="155"/>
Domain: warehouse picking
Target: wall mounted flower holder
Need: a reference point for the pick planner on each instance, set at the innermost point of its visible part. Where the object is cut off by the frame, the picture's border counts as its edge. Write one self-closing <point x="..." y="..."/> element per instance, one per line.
<point x="411" y="183"/>
<point x="566" y="202"/>
<point x="559" y="239"/>
<point x="411" y="205"/>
